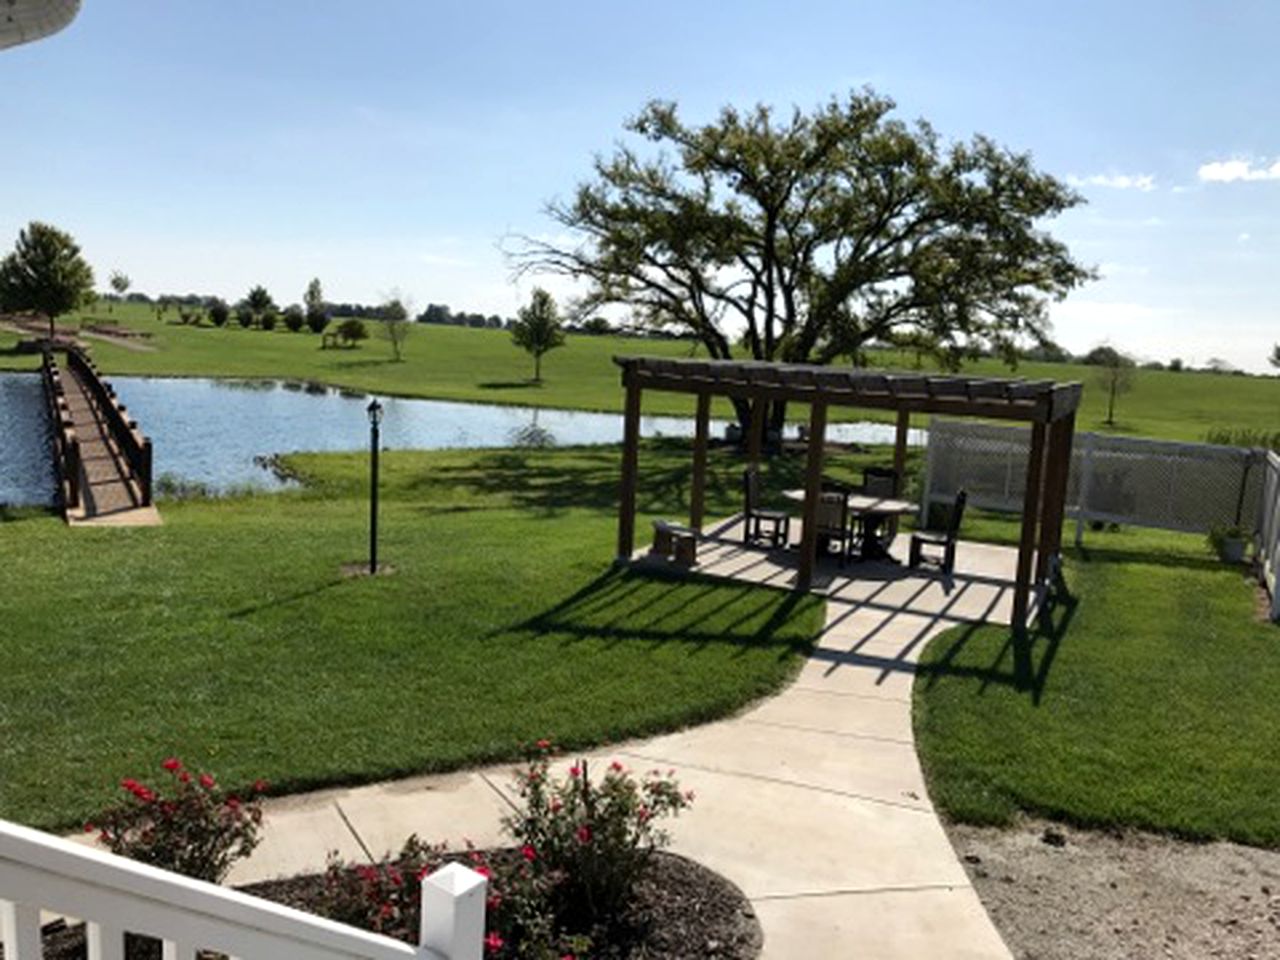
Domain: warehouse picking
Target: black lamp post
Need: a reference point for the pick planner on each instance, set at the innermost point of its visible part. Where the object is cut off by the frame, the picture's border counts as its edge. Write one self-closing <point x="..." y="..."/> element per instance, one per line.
<point x="375" y="417"/>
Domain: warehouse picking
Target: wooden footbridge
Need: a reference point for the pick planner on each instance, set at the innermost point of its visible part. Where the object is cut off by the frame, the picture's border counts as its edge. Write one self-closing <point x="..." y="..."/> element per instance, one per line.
<point x="101" y="458"/>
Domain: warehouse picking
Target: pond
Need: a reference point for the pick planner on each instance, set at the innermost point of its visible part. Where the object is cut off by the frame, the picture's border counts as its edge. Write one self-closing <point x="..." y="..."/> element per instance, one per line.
<point x="216" y="432"/>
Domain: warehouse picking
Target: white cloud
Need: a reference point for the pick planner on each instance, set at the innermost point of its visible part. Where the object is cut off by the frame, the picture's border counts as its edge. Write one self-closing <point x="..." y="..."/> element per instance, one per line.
<point x="1144" y="182"/>
<point x="1228" y="171"/>
<point x="1244" y="238"/>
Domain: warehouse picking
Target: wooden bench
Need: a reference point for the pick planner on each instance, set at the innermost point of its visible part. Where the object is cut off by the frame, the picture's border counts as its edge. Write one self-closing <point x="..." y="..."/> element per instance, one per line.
<point x="676" y="542"/>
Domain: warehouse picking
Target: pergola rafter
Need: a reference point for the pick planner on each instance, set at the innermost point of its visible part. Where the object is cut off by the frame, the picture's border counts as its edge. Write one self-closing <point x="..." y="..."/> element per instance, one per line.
<point x="1048" y="406"/>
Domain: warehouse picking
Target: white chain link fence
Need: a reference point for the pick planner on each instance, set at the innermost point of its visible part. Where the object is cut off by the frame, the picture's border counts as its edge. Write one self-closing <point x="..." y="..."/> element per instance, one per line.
<point x="1269" y="530"/>
<point x="1191" y="487"/>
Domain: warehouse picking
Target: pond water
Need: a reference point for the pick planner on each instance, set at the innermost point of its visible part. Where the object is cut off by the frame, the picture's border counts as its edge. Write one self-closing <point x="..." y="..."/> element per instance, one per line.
<point x="26" y="466"/>
<point x="215" y="432"/>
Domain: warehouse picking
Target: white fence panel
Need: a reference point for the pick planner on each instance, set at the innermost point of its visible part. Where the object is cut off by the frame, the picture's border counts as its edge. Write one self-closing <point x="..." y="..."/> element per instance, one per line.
<point x="113" y="895"/>
<point x="1191" y="487"/>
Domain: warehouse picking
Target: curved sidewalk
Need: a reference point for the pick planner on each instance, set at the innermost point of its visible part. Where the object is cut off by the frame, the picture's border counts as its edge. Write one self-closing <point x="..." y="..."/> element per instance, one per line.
<point x="813" y="802"/>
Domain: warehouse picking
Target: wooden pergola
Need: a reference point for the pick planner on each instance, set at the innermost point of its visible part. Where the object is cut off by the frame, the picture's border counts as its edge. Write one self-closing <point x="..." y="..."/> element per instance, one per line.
<point x="1049" y="407"/>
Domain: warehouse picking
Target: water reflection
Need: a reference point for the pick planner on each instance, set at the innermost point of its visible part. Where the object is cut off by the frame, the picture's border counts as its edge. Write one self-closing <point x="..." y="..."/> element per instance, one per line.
<point x="26" y="466"/>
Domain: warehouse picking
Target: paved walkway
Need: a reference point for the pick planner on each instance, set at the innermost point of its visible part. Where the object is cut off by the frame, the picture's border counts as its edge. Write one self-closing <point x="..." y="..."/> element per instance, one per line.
<point x="812" y="802"/>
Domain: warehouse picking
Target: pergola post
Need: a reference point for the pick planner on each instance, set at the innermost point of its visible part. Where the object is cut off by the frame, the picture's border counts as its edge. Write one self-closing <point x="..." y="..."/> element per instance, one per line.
<point x="1031" y="501"/>
<point x="899" y="463"/>
<point x="1061" y="433"/>
<point x="812" y="492"/>
<point x="755" y="431"/>
<point x="630" y="468"/>
<point x="698" y="482"/>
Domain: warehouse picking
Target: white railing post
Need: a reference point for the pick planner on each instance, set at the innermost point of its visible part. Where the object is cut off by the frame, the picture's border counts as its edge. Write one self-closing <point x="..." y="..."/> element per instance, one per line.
<point x="453" y="902"/>
<point x="106" y="942"/>
<point x="20" y="931"/>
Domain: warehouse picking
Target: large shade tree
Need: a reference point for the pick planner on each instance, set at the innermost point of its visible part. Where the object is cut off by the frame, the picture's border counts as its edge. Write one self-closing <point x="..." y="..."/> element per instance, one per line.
<point x="810" y="237"/>
<point x="45" y="273"/>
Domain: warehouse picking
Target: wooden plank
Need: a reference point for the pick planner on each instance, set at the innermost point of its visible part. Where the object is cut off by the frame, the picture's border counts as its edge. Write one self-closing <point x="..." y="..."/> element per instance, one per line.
<point x="698" y="481"/>
<point x="755" y="431"/>
<point x="1030" y="518"/>
<point x="812" y="491"/>
<point x="630" y="469"/>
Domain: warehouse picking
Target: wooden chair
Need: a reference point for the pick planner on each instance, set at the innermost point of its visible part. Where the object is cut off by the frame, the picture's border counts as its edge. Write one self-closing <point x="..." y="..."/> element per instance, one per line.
<point x="875" y="530"/>
<point x="755" y="519"/>
<point x="832" y="523"/>
<point x="945" y="539"/>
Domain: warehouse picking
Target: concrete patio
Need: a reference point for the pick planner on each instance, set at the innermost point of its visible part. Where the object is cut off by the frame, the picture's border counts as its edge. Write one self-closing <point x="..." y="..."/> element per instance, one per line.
<point x="812" y="802"/>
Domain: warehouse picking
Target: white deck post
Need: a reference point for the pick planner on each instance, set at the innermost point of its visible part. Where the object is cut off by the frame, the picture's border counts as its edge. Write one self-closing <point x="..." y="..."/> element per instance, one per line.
<point x="20" y="930"/>
<point x="453" y="902"/>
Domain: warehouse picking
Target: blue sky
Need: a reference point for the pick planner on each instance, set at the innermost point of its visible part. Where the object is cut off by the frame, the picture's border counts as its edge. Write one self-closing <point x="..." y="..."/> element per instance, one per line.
<point x="392" y="144"/>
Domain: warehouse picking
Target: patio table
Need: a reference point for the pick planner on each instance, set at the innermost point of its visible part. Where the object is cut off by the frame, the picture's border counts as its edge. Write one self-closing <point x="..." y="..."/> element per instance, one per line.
<point x="873" y="510"/>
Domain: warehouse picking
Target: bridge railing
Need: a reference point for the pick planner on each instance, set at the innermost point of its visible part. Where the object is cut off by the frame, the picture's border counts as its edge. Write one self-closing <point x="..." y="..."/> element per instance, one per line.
<point x="133" y="446"/>
<point x="66" y="445"/>
<point x="113" y="896"/>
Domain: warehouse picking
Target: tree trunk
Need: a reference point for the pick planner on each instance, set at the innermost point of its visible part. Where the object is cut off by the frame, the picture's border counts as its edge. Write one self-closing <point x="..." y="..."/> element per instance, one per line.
<point x="537" y="368"/>
<point x="1111" y="404"/>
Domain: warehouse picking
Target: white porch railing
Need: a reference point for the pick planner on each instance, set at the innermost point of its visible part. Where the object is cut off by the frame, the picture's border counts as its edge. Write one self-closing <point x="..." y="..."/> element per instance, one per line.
<point x="113" y="895"/>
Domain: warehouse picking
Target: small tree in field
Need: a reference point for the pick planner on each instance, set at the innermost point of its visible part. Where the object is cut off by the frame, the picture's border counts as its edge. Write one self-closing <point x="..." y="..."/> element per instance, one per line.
<point x="313" y="304"/>
<point x="395" y="326"/>
<point x="260" y="304"/>
<point x="120" y="283"/>
<point x="537" y="330"/>
<point x="1115" y="375"/>
<point x="219" y="312"/>
<point x="45" y="273"/>
<point x="1275" y="356"/>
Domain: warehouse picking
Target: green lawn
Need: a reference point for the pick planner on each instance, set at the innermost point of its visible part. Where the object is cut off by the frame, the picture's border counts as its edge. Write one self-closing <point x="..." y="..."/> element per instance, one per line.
<point x="1150" y="702"/>
<point x="482" y="365"/>
<point x="228" y="637"/>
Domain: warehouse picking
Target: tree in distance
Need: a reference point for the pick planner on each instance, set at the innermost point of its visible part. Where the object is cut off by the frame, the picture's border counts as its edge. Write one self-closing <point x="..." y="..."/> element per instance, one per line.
<point x="351" y="331"/>
<point x="817" y="234"/>
<point x="313" y="302"/>
<point x="395" y="325"/>
<point x="1115" y="375"/>
<point x="260" y="305"/>
<point x="294" y="318"/>
<point x="537" y="329"/>
<point x="120" y="283"/>
<point x="1274" y="359"/>
<point x="244" y="315"/>
<point x="219" y="312"/>
<point x="45" y="273"/>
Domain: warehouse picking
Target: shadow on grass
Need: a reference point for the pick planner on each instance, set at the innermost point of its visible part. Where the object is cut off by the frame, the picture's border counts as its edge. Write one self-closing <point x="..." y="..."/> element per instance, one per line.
<point x="588" y="478"/>
<point x="630" y="606"/>
<point x="1023" y="662"/>
<point x="11" y="514"/>
<point x="284" y="601"/>
<point x="1157" y="558"/>
<point x="510" y="385"/>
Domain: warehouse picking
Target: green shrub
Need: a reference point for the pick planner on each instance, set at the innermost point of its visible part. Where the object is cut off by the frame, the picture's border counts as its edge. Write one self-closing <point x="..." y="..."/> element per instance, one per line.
<point x="351" y="331"/>
<point x="293" y="318"/>
<point x="219" y="313"/>
<point x="591" y="840"/>
<point x="268" y="319"/>
<point x="194" y="828"/>
<point x="317" y="320"/>
<point x="244" y="316"/>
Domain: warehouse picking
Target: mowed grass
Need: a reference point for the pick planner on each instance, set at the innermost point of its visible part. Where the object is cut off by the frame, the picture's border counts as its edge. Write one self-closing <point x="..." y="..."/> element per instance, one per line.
<point x="1150" y="701"/>
<point x="457" y="363"/>
<point x="228" y="636"/>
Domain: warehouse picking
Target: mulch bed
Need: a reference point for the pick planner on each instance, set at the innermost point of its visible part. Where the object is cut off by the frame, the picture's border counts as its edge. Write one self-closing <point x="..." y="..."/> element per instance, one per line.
<point x="682" y="911"/>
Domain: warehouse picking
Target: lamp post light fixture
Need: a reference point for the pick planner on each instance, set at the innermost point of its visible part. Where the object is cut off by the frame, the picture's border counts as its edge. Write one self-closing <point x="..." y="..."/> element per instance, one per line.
<point x="375" y="417"/>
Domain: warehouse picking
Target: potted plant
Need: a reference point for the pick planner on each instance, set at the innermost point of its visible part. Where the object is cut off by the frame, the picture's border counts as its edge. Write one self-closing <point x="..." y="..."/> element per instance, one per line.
<point x="1228" y="542"/>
